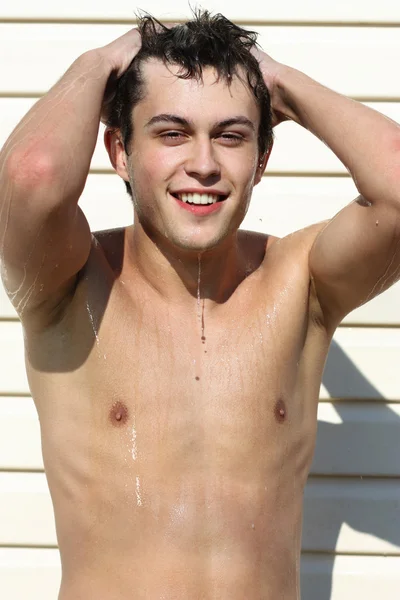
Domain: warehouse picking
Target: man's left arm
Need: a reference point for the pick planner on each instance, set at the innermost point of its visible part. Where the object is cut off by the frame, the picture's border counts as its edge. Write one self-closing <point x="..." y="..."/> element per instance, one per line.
<point x="357" y="254"/>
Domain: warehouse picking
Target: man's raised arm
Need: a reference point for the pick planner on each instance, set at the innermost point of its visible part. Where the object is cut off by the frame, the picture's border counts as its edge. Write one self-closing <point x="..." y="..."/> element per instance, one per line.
<point x="357" y="254"/>
<point x="44" y="237"/>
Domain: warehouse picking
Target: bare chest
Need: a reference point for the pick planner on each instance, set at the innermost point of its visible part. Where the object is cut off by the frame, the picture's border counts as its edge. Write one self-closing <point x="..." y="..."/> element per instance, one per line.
<point x="197" y="384"/>
<point x="193" y="384"/>
<point x="194" y="418"/>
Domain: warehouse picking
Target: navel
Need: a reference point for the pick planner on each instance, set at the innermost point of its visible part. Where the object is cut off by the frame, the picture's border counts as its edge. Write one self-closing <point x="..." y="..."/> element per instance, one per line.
<point x="280" y="411"/>
<point x="118" y="414"/>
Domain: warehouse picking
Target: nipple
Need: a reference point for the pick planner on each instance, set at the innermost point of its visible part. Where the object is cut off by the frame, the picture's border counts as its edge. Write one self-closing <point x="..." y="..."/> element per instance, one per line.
<point x="280" y="411"/>
<point x="118" y="414"/>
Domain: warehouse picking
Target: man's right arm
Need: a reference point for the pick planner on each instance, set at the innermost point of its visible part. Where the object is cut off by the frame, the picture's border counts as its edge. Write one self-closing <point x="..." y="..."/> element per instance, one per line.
<point x="44" y="237"/>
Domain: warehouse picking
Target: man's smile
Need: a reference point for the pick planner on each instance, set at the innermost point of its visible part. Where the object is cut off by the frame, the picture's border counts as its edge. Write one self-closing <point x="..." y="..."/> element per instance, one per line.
<point x="195" y="198"/>
<point x="199" y="196"/>
<point x="199" y="204"/>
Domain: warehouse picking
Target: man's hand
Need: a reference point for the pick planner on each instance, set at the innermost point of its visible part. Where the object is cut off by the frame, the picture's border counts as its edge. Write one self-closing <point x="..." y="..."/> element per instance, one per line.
<point x="271" y="70"/>
<point x="119" y="54"/>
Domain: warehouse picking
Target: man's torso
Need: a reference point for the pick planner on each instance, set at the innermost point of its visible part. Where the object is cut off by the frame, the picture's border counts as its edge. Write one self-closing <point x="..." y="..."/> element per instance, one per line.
<point x="177" y="439"/>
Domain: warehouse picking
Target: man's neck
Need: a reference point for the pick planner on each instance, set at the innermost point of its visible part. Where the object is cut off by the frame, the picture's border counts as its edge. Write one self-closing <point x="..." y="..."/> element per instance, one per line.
<point x="180" y="275"/>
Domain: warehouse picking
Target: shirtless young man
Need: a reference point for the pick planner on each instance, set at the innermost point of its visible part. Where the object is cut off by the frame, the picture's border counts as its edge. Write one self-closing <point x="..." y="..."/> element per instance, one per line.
<point x="178" y="432"/>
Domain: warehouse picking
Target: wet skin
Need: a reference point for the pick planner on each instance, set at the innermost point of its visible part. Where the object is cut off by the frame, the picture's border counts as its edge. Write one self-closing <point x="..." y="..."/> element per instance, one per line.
<point x="177" y="396"/>
<point x="177" y="464"/>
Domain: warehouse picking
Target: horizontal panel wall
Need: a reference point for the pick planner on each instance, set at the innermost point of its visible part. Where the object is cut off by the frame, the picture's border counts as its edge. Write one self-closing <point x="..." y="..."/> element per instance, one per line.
<point x="20" y="445"/>
<point x="340" y="11"/>
<point x="349" y="577"/>
<point x="370" y="55"/>
<point x="29" y="573"/>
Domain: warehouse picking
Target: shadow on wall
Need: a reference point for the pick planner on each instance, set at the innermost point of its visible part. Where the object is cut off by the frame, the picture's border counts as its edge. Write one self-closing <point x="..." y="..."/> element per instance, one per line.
<point x="358" y="441"/>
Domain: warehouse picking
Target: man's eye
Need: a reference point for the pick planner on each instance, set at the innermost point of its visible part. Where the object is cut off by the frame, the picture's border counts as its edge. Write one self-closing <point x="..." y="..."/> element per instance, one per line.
<point x="174" y="136"/>
<point x="232" y="139"/>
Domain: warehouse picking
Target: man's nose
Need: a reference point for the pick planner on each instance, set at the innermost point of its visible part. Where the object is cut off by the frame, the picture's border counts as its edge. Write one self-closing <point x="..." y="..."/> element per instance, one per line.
<point x="202" y="161"/>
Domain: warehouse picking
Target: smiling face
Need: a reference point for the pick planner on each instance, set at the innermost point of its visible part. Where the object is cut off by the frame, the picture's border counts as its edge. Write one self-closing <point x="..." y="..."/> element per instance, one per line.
<point x="193" y="158"/>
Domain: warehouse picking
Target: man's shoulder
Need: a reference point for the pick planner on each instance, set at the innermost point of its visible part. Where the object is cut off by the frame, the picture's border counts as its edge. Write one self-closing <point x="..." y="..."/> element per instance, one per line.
<point x="305" y="237"/>
<point x="301" y="238"/>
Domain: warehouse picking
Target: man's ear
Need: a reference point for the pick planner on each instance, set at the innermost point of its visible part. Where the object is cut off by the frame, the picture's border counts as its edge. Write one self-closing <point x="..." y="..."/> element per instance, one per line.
<point x="262" y="164"/>
<point x="116" y="151"/>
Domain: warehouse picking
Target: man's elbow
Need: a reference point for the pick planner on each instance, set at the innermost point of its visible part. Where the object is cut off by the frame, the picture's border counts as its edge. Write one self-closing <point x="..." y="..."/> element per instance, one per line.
<point x="26" y="171"/>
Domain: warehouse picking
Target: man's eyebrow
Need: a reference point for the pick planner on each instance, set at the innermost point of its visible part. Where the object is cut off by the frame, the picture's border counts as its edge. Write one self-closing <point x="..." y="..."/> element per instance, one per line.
<point x="237" y="121"/>
<point x="167" y="118"/>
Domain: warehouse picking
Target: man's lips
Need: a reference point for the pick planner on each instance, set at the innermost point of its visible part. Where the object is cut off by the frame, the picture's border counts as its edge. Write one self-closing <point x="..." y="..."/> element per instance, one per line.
<point x="199" y="209"/>
<point x="200" y="196"/>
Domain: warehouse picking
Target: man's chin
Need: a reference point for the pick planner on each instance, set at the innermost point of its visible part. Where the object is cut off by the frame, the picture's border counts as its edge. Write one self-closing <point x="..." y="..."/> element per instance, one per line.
<point x="196" y="240"/>
<point x="198" y="245"/>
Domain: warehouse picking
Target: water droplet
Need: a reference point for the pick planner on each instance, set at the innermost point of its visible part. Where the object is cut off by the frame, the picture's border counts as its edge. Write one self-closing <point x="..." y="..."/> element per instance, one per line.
<point x="138" y="495"/>
<point x="198" y="287"/>
<point x="92" y="323"/>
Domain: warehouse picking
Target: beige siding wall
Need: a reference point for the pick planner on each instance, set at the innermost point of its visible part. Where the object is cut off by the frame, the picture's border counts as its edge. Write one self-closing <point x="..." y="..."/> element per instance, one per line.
<point x="351" y="538"/>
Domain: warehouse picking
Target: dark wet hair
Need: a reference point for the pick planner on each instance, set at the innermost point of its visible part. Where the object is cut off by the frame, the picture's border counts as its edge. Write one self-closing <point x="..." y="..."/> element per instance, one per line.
<point x="206" y="41"/>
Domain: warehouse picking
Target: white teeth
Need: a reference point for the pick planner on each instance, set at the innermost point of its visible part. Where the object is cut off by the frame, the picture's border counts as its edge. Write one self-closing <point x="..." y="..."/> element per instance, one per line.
<point x="198" y="198"/>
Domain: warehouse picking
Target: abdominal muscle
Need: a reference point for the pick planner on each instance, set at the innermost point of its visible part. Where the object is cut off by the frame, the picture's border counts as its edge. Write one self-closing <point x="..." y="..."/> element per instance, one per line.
<point x="194" y="503"/>
<point x="191" y="490"/>
<point x="192" y="497"/>
<point x="205" y="534"/>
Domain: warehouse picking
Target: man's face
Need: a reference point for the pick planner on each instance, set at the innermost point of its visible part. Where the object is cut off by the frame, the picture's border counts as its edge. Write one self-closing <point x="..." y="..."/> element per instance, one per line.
<point x="193" y="142"/>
